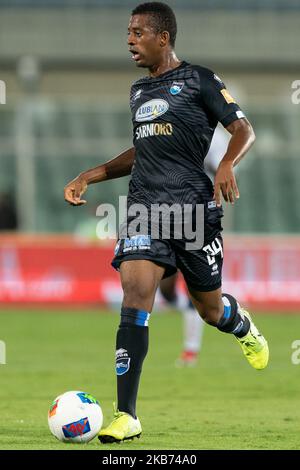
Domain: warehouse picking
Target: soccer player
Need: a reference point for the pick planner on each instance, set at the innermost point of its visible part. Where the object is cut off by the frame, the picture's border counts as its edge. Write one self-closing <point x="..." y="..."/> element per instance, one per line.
<point x="175" y="110"/>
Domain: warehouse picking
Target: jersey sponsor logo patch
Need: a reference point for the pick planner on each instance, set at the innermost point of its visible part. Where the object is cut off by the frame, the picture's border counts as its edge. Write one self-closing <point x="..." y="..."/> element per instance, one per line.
<point x="153" y="129"/>
<point x="151" y="110"/>
<point x="227" y="96"/>
<point x="176" y="88"/>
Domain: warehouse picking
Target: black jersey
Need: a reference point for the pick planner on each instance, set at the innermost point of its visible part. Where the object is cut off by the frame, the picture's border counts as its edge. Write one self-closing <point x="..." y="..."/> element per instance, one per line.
<point x="174" y="117"/>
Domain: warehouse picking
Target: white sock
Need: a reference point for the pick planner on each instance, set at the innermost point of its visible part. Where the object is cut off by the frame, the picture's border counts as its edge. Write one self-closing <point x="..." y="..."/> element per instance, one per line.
<point x="192" y="330"/>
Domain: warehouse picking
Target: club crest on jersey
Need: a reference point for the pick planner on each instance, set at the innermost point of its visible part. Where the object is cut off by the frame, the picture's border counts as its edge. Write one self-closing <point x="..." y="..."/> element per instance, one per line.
<point x="176" y="88"/>
<point x="151" y="110"/>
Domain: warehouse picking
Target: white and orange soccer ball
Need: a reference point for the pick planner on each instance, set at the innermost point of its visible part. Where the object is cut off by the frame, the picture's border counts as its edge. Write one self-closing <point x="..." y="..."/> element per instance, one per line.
<point x="75" y="416"/>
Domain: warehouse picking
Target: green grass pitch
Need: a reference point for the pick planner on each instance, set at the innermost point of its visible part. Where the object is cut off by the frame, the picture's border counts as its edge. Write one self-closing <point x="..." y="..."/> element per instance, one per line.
<point x="222" y="403"/>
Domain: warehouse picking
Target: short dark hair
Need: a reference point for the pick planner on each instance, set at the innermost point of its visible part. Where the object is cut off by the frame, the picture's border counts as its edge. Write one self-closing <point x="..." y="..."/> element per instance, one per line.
<point x="163" y="18"/>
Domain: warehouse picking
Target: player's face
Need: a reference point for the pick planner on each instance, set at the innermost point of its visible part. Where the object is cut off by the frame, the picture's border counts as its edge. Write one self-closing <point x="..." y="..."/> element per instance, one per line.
<point x="143" y="42"/>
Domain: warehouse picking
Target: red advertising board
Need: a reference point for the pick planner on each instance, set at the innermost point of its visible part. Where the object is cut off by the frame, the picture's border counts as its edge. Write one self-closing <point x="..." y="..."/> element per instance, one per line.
<point x="263" y="272"/>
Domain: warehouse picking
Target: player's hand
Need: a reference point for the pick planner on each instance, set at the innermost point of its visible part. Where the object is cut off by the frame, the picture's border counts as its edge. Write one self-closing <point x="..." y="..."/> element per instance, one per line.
<point x="225" y="182"/>
<point x="74" y="190"/>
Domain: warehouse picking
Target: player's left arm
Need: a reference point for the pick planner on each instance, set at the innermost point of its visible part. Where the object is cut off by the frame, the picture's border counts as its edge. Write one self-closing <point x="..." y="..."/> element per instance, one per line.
<point x="242" y="137"/>
<point x="221" y="106"/>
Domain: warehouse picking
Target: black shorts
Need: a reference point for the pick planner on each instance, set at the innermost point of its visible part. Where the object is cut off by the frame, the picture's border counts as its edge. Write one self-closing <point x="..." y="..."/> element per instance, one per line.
<point x="201" y="268"/>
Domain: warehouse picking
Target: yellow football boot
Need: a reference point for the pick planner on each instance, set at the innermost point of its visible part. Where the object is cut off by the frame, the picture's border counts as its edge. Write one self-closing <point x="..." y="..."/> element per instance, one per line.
<point x="254" y="345"/>
<point x="122" y="428"/>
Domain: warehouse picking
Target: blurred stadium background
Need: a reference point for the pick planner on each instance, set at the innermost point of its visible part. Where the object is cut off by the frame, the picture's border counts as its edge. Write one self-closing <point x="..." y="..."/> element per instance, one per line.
<point x="68" y="72"/>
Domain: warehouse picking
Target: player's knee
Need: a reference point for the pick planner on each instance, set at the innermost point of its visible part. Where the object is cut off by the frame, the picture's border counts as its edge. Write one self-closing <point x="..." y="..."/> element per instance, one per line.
<point x="136" y="293"/>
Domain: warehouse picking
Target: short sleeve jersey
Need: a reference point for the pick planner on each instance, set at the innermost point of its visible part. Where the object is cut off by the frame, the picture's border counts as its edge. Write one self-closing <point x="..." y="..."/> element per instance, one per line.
<point x="174" y="117"/>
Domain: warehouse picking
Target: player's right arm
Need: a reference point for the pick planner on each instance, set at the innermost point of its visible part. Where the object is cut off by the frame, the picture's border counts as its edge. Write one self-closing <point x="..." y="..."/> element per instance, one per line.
<point x="115" y="168"/>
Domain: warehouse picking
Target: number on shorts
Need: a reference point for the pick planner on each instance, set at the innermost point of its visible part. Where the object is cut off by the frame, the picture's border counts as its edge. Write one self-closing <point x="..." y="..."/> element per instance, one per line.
<point x="212" y="250"/>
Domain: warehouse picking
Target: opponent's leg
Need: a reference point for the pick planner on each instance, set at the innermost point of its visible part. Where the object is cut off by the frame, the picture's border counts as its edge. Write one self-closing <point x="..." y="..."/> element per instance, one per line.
<point x="193" y="326"/>
<point x="140" y="279"/>
<point x="192" y="322"/>
<point x="223" y="311"/>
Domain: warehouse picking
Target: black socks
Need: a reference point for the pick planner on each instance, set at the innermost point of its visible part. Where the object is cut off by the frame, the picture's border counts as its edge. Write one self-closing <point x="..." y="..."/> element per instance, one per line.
<point x="131" y="350"/>
<point x="232" y="321"/>
<point x="132" y="347"/>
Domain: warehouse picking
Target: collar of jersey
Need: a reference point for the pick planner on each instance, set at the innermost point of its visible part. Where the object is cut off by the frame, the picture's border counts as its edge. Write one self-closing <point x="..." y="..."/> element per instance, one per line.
<point x="163" y="75"/>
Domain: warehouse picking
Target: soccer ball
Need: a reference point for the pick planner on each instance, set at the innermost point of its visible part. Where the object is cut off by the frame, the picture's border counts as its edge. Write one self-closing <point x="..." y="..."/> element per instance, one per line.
<point x="75" y="417"/>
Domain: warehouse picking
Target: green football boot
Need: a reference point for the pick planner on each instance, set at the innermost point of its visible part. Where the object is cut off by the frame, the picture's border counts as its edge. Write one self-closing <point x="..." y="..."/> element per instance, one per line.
<point x="254" y="345"/>
<point x="122" y="428"/>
